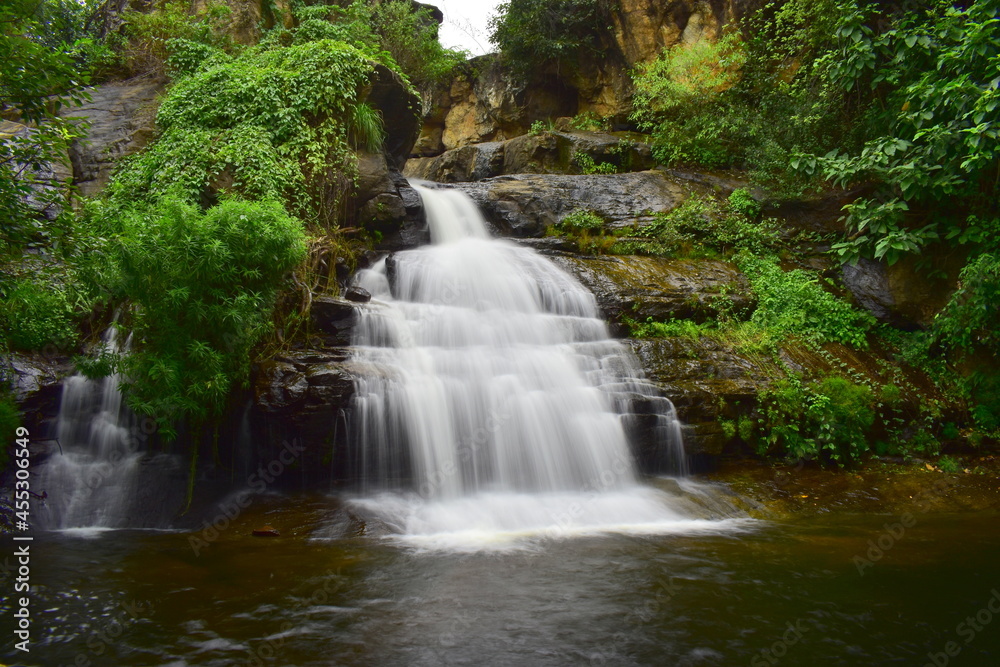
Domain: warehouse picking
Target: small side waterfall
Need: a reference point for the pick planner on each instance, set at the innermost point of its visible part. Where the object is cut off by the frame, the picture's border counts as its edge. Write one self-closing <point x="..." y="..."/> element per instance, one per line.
<point x="96" y="479"/>
<point x="499" y="400"/>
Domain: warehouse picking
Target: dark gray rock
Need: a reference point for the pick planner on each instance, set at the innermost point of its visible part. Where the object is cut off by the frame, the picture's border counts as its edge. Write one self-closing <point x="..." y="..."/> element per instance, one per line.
<point x="545" y="153"/>
<point x="334" y="318"/>
<point x="525" y="205"/>
<point x="120" y="120"/>
<point x="357" y="294"/>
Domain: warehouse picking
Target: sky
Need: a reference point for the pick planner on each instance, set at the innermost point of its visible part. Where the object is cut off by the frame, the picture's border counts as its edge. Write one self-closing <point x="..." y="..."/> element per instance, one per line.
<point x="465" y="24"/>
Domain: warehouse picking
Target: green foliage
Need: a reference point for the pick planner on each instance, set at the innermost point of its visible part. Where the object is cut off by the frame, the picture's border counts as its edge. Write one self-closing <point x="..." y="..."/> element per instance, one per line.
<point x="278" y="123"/>
<point x="971" y="319"/>
<point x="10" y="419"/>
<point x="37" y="80"/>
<point x="829" y="418"/>
<point x="702" y="227"/>
<point x="586" y="229"/>
<point x="793" y="303"/>
<point x="750" y="100"/>
<point x="931" y="129"/>
<point x="679" y="93"/>
<point x="589" y="166"/>
<point x="742" y="202"/>
<point x="581" y="220"/>
<point x="34" y="315"/>
<point x="202" y="285"/>
<point x="174" y="39"/>
<point x="949" y="464"/>
<point x="541" y="127"/>
<point x="673" y="328"/>
<point x="411" y="38"/>
<point x="534" y="33"/>
<point x="396" y="33"/>
<point x="588" y="121"/>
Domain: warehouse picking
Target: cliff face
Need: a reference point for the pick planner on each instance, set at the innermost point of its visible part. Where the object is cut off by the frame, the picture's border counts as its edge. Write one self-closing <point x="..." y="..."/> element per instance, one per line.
<point x="483" y="102"/>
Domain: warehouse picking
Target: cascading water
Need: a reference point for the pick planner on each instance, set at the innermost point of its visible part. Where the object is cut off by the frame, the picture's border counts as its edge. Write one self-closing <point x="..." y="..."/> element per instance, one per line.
<point x="95" y="480"/>
<point x="496" y="404"/>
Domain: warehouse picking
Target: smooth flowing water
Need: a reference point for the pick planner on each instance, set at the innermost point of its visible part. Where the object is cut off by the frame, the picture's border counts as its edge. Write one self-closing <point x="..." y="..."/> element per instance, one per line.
<point x="100" y="476"/>
<point x="147" y="599"/>
<point x="497" y="407"/>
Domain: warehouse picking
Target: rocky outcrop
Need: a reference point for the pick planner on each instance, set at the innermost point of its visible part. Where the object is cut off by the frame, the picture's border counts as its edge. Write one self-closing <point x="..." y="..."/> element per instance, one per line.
<point x="36" y="382"/>
<point x="483" y="102"/>
<point x="525" y="205"/>
<point x="705" y="381"/>
<point x="901" y="294"/>
<point x="660" y="288"/>
<point x="120" y="120"/>
<point x="385" y="203"/>
<point x="544" y="153"/>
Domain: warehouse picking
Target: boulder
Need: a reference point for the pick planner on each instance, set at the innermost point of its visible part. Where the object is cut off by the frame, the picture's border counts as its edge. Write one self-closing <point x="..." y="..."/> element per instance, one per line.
<point x="36" y="382"/>
<point x="660" y="288"/>
<point x="525" y="205"/>
<point x="903" y="295"/>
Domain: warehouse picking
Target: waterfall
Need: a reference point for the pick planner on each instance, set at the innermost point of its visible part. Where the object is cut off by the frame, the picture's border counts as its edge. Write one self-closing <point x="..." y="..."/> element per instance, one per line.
<point x="96" y="479"/>
<point x="496" y="402"/>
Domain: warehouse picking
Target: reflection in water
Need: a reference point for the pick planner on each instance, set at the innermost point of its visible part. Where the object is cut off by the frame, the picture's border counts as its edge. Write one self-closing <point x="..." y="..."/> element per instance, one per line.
<point x="683" y="599"/>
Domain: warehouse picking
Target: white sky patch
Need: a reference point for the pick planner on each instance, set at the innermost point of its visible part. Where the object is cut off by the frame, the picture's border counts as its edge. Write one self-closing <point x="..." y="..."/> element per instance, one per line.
<point x="465" y="24"/>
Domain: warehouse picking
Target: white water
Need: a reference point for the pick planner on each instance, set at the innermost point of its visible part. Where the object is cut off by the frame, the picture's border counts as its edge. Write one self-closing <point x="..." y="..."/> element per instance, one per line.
<point x="493" y="410"/>
<point x="92" y="480"/>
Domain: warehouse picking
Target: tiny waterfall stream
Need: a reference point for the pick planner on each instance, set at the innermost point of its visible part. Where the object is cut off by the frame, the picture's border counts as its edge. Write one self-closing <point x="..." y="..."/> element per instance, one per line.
<point x="496" y="412"/>
<point x="98" y="480"/>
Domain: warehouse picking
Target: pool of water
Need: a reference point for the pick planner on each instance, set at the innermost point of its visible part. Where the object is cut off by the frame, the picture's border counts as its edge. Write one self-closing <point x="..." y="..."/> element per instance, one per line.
<point x="837" y="589"/>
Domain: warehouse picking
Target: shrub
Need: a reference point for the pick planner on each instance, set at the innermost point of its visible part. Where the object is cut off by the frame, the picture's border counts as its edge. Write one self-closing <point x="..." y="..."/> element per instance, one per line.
<point x="793" y="303"/>
<point x="702" y="226"/>
<point x="34" y="315"/>
<point x="534" y="33"/>
<point x="581" y="220"/>
<point x="162" y="41"/>
<point x="927" y="79"/>
<point x="203" y="286"/>
<point x="589" y="166"/>
<point x="829" y="418"/>
<point x="278" y="123"/>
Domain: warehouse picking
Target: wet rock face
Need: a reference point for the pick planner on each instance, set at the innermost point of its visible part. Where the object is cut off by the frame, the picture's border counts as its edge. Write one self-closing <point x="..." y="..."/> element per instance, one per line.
<point x="121" y="120"/>
<point x="36" y="380"/>
<point x="660" y="288"/>
<point x="50" y="180"/>
<point x="525" y="205"/>
<point x="703" y="380"/>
